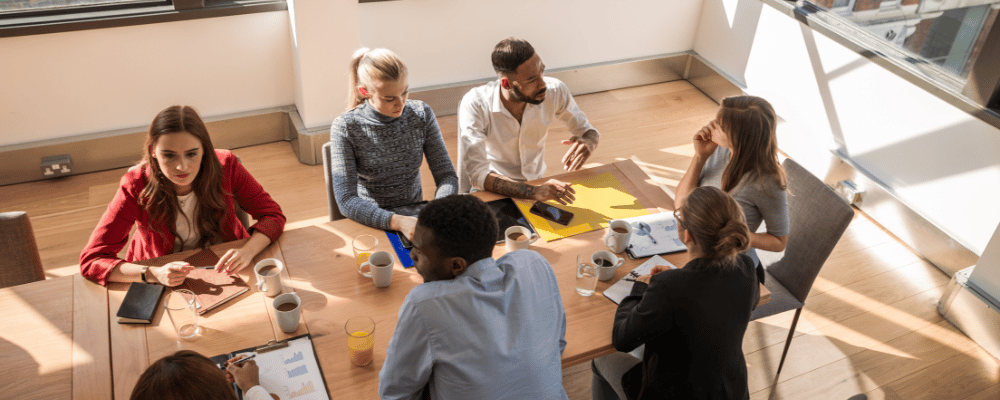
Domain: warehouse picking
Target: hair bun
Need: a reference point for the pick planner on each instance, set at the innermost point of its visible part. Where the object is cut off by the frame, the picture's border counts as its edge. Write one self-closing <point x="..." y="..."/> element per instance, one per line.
<point x="734" y="238"/>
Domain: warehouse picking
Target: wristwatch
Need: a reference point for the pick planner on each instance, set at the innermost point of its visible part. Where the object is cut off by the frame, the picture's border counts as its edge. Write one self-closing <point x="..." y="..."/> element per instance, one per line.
<point x="143" y="273"/>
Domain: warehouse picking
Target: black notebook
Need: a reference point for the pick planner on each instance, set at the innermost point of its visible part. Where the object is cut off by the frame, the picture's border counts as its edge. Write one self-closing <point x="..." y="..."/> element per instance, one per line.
<point x="140" y="303"/>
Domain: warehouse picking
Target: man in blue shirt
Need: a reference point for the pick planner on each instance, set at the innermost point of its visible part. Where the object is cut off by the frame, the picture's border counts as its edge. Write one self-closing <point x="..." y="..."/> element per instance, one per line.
<point x="477" y="328"/>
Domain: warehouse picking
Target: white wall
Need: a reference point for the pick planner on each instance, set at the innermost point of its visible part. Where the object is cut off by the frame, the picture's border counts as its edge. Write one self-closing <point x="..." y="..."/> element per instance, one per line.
<point x="942" y="162"/>
<point x="324" y="35"/>
<point x="66" y="84"/>
<point x="987" y="273"/>
<point x="447" y="41"/>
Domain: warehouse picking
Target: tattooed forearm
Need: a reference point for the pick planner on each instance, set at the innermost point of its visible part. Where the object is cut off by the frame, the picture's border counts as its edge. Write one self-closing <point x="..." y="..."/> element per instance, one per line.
<point x="506" y="187"/>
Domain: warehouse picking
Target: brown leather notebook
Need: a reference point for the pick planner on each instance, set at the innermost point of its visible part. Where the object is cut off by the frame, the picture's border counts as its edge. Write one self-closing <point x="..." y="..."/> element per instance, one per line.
<point x="211" y="288"/>
<point x="203" y="258"/>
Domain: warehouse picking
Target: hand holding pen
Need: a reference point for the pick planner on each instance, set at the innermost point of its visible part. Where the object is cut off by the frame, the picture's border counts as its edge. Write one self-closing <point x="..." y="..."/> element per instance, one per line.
<point x="634" y="276"/>
<point x="243" y="371"/>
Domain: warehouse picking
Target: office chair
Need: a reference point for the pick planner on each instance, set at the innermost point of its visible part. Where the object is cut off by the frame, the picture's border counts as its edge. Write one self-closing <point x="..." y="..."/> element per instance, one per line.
<point x="330" y="196"/>
<point x="240" y="214"/>
<point x="20" y="262"/>
<point x="818" y="218"/>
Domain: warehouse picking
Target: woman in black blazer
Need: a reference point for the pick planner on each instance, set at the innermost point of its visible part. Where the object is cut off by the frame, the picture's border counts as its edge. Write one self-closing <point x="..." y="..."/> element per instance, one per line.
<point x="691" y="320"/>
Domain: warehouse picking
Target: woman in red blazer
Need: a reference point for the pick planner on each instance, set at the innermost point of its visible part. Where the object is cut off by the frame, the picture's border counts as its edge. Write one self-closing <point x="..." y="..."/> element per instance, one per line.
<point x="181" y="196"/>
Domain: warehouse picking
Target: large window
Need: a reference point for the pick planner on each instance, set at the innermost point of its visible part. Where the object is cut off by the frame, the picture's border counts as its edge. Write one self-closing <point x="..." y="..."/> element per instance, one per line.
<point x="37" y="17"/>
<point x="23" y="6"/>
<point x="945" y="35"/>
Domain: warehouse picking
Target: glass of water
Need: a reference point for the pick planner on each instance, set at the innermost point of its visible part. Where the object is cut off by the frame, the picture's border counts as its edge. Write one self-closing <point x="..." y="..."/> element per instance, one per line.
<point x="586" y="275"/>
<point x="183" y="312"/>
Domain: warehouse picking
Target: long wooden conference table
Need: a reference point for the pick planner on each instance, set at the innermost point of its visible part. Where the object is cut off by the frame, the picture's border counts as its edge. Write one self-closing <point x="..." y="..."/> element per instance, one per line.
<point x="62" y="339"/>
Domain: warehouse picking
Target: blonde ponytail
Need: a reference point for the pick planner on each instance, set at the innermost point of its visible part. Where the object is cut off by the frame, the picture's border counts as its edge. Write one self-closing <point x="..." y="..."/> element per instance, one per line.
<point x="368" y="66"/>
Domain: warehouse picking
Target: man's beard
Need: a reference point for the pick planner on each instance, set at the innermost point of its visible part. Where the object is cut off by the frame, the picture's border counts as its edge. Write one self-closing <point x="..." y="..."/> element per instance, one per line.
<point x="517" y="95"/>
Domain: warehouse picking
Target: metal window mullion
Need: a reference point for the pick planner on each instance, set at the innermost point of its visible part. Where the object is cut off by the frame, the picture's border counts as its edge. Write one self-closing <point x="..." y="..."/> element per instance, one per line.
<point x="188" y="4"/>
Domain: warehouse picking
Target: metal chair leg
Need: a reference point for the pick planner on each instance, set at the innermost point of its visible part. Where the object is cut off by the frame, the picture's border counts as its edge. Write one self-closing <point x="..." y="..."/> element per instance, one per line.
<point x="788" y="340"/>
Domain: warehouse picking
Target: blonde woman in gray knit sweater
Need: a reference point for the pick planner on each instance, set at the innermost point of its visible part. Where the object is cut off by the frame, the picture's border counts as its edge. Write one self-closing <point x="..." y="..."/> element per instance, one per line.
<point x="379" y="144"/>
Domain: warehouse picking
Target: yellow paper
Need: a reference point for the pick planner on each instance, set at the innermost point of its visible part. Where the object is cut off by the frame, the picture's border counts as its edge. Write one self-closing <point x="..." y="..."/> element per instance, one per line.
<point x="599" y="199"/>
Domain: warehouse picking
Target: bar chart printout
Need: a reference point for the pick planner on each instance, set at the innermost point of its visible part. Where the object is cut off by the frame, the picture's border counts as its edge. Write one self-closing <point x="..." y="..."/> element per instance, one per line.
<point x="292" y="372"/>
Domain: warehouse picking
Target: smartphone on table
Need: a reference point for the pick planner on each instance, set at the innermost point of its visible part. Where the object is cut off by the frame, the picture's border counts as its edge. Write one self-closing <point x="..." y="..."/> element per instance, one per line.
<point x="551" y="213"/>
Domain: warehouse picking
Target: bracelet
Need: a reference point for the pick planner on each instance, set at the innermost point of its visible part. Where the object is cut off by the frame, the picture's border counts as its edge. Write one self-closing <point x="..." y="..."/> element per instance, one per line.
<point x="142" y="274"/>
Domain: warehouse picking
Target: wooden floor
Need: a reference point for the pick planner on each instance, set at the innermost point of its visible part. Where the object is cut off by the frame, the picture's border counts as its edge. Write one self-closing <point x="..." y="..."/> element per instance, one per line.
<point x="870" y="325"/>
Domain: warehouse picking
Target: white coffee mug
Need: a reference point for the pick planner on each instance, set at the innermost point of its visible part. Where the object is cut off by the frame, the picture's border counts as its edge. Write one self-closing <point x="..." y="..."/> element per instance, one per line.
<point x="618" y="241"/>
<point x="380" y="263"/>
<point x="607" y="262"/>
<point x="288" y="318"/>
<point x="269" y="284"/>
<point x="524" y="238"/>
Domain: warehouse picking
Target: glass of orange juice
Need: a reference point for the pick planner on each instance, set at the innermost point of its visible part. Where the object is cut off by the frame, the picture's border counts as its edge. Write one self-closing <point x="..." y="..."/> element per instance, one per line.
<point x="360" y="340"/>
<point x="364" y="246"/>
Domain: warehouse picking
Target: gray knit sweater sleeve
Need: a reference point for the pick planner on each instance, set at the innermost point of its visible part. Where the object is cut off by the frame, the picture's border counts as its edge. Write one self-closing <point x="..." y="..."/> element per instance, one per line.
<point x="376" y="161"/>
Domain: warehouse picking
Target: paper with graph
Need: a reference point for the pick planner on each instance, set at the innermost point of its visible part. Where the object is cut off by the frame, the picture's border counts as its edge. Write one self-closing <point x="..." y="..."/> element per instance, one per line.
<point x="291" y="372"/>
<point x="654" y="234"/>
<point x="599" y="199"/>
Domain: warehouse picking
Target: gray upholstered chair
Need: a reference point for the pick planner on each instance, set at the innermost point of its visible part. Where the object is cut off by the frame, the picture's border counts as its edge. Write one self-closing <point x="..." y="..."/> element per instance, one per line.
<point x="817" y="218"/>
<point x="330" y="196"/>
<point x="240" y="214"/>
<point x="19" y="259"/>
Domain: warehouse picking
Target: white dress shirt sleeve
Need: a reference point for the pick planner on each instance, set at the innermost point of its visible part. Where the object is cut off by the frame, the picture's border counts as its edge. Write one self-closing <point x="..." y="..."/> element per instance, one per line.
<point x="257" y="393"/>
<point x="408" y="362"/>
<point x="576" y="121"/>
<point x="473" y="123"/>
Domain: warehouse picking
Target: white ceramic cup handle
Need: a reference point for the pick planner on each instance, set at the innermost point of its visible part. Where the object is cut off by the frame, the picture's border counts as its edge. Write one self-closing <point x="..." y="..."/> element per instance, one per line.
<point x="533" y="238"/>
<point x="621" y="261"/>
<point x="609" y="240"/>
<point x="370" y="268"/>
<point x="260" y="284"/>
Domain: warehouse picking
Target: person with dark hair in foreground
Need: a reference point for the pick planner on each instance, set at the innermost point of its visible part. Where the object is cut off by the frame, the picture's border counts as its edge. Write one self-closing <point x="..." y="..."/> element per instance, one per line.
<point x="503" y="124"/>
<point x="187" y="375"/>
<point x="691" y="320"/>
<point x="477" y="328"/>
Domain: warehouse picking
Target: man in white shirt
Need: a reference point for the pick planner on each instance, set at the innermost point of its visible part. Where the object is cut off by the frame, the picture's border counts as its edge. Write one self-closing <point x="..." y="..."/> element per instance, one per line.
<point x="503" y="125"/>
<point x="477" y="328"/>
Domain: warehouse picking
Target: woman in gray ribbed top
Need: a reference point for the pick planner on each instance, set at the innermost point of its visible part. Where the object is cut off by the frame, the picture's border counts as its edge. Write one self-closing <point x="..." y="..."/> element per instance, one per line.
<point x="379" y="144"/>
<point x="738" y="153"/>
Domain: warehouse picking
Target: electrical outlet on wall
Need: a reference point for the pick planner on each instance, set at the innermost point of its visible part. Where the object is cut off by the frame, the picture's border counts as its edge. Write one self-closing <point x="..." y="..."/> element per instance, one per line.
<point x="54" y="166"/>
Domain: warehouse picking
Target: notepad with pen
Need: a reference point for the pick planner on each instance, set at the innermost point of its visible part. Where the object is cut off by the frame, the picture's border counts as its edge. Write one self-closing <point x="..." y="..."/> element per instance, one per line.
<point x="623" y="288"/>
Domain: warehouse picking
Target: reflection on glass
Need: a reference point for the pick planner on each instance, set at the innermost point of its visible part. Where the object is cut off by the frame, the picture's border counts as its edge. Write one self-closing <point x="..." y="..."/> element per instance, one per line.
<point x="36" y="5"/>
<point x="948" y="33"/>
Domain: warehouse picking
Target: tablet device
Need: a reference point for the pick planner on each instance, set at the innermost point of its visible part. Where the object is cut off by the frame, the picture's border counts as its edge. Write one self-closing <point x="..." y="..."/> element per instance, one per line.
<point x="508" y="215"/>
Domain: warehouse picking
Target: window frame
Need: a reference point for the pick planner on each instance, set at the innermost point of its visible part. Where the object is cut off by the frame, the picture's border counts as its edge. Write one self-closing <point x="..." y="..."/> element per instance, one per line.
<point x="4" y="15"/>
<point x="38" y="22"/>
<point x="924" y="74"/>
